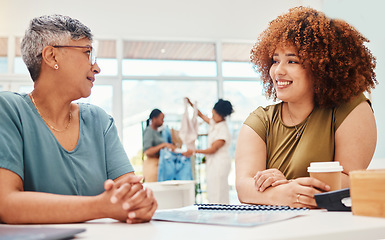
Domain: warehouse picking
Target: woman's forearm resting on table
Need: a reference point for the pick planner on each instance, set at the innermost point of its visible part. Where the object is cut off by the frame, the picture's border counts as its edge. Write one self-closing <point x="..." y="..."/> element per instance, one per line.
<point x="18" y="206"/>
<point x="296" y="193"/>
<point x="37" y="207"/>
<point x="248" y="194"/>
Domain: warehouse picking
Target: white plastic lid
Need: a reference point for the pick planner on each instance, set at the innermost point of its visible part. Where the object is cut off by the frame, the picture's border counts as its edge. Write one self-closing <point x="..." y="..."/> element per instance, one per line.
<point x="325" y="167"/>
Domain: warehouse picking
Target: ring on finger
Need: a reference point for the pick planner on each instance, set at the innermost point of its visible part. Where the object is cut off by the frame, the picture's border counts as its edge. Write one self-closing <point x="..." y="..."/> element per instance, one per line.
<point x="298" y="195"/>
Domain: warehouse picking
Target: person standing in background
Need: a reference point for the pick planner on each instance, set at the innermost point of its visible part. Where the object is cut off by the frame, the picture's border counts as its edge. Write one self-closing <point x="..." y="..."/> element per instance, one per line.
<point x="218" y="161"/>
<point x="153" y="142"/>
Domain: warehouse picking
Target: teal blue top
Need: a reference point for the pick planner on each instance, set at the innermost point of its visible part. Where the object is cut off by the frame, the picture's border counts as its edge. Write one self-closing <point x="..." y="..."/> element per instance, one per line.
<point x="29" y="149"/>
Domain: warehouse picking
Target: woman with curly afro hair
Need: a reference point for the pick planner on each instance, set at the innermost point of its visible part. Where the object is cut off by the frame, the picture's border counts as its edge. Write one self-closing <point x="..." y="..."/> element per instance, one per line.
<point x="318" y="68"/>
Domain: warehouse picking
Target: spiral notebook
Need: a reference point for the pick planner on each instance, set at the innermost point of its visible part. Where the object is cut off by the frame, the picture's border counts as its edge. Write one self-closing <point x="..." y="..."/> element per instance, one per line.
<point x="242" y="215"/>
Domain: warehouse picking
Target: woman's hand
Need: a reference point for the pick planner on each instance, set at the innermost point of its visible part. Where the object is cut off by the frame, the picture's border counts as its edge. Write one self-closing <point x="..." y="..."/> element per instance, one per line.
<point x="189" y="102"/>
<point x="188" y="153"/>
<point x="298" y="193"/>
<point x="170" y="146"/>
<point x="144" y="210"/>
<point x="136" y="203"/>
<point x="270" y="177"/>
<point x="306" y="189"/>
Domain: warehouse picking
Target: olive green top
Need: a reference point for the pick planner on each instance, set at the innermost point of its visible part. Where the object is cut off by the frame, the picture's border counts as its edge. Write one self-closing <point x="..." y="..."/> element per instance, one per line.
<point x="315" y="142"/>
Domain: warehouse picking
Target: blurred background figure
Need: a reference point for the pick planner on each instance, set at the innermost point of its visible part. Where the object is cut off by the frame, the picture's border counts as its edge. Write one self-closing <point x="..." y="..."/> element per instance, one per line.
<point x="218" y="161"/>
<point x="153" y="142"/>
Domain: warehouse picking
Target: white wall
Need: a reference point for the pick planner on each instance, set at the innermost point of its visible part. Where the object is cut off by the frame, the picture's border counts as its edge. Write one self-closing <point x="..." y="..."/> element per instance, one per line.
<point x="202" y="19"/>
<point x="207" y="19"/>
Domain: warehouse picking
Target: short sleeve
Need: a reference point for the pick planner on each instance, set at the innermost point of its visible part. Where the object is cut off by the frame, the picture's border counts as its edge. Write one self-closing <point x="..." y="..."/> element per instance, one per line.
<point x="11" y="140"/>
<point x="258" y="121"/>
<point x="116" y="157"/>
<point x="222" y="132"/>
<point x="147" y="139"/>
<point x="342" y="111"/>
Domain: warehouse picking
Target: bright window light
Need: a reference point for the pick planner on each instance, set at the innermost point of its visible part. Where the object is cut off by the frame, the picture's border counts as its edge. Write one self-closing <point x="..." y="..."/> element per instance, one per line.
<point x="135" y="67"/>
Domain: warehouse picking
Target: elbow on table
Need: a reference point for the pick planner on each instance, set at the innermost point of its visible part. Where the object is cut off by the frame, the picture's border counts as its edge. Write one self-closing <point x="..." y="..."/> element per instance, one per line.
<point x="10" y="213"/>
<point x="7" y="215"/>
<point x="242" y="191"/>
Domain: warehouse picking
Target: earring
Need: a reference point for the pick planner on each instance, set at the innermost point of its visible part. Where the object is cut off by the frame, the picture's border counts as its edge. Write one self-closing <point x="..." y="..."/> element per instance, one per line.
<point x="56" y="66"/>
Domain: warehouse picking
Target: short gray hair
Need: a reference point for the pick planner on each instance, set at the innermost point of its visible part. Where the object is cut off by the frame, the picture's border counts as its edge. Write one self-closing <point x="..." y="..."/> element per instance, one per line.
<point x="49" y="31"/>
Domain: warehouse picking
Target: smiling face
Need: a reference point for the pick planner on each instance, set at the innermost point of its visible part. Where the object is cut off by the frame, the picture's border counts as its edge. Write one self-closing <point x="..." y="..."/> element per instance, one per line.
<point x="292" y="81"/>
<point x="76" y="69"/>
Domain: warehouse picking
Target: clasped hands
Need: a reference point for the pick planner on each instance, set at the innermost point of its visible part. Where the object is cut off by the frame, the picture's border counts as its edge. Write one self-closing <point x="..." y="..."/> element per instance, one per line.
<point x="296" y="192"/>
<point x="129" y="200"/>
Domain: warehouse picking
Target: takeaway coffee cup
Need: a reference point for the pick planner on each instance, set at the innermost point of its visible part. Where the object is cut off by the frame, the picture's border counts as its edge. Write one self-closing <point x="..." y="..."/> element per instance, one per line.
<point x="327" y="172"/>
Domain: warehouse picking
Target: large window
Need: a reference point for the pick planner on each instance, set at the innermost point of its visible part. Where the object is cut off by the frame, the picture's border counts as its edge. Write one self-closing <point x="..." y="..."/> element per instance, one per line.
<point x="106" y="57"/>
<point x="169" y="59"/>
<point x="3" y="55"/>
<point x="160" y="75"/>
<point x="236" y="60"/>
<point x="101" y="95"/>
<point x="141" y="67"/>
<point x="246" y="96"/>
<point x="19" y="65"/>
<point x="140" y="97"/>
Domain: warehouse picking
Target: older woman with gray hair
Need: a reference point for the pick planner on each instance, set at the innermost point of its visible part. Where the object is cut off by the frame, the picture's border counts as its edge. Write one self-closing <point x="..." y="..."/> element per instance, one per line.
<point x="61" y="161"/>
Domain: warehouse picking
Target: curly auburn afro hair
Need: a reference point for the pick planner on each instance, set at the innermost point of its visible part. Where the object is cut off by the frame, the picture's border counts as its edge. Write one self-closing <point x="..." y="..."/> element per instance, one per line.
<point x="341" y="65"/>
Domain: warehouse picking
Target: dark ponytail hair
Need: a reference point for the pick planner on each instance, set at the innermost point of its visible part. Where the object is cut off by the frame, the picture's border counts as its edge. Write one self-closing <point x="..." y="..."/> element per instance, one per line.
<point x="223" y="108"/>
<point x="154" y="113"/>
